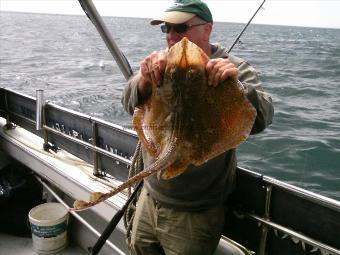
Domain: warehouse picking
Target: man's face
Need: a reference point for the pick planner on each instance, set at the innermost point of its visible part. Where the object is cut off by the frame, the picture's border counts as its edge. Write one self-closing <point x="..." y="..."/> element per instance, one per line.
<point x="198" y="32"/>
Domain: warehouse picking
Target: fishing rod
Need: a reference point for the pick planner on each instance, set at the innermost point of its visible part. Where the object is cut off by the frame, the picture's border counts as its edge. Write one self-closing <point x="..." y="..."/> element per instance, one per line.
<point x="92" y="13"/>
<point x="245" y="27"/>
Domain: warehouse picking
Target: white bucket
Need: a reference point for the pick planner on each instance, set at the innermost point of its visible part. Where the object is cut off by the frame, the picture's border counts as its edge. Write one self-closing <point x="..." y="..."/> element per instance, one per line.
<point x="48" y="225"/>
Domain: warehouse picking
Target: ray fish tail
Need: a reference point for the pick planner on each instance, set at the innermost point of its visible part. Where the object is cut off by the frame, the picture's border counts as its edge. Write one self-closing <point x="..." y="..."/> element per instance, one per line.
<point x="163" y="162"/>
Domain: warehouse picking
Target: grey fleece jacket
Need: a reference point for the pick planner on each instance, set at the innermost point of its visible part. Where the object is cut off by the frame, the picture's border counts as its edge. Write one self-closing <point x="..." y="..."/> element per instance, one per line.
<point x="202" y="187"/>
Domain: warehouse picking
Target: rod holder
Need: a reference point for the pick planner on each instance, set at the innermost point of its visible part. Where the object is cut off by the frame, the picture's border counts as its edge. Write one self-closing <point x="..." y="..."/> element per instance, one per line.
<point x="95" y="153"/>
<point x="39" y="109"/>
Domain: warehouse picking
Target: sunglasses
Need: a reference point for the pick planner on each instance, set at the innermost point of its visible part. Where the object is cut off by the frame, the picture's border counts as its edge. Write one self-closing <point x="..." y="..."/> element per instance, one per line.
<point x="179" y="28"/>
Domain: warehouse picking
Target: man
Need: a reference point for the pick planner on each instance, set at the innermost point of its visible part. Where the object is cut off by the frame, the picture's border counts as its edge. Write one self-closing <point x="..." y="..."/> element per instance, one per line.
<point x="185" y="215"/>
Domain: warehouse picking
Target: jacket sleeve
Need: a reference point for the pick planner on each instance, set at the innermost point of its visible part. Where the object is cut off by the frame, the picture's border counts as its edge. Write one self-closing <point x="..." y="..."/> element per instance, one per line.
<point x="257" y="96"/>
<point x="130" y="94"/>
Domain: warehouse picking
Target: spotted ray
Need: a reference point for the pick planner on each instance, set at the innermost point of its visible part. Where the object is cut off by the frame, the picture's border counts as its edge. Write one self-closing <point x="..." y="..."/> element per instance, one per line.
<point x="185" y="121"/>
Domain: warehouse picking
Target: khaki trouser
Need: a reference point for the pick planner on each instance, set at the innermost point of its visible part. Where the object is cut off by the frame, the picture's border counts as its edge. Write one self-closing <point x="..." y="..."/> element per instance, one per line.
<point x="161" y="230"/>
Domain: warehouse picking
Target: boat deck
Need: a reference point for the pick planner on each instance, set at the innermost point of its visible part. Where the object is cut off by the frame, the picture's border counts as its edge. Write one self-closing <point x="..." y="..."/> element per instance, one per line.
<point x="13" y="245"/>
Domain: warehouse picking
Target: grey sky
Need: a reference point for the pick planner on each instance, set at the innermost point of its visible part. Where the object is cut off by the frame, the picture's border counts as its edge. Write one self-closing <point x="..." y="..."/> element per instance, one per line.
<point x="317" y="13"/>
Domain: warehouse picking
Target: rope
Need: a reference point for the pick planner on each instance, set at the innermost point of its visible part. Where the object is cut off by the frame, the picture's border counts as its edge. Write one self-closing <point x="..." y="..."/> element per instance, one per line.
<point x="135" y="168"/>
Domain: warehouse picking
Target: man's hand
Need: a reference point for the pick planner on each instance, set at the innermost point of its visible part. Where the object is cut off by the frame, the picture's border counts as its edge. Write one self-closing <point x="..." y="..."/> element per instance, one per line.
<point x="151" y="70"/>
<point x="219" y="69"/>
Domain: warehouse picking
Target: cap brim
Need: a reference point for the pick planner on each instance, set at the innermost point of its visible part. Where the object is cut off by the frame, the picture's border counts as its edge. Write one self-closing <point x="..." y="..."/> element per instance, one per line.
<point x="174" y="17"/>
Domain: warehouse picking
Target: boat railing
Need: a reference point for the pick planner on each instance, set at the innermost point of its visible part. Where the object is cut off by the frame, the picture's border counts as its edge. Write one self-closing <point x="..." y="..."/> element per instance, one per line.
<point x="107" y="146"/>
<point x="275" y="212"/>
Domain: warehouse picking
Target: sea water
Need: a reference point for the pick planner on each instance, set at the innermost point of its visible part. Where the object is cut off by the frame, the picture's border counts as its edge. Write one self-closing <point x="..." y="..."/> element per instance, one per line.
<point x="299" y="67"/>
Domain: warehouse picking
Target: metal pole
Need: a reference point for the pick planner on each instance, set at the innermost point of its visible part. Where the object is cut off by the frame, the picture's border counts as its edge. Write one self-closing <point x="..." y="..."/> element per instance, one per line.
<point x="39" y="109"/>
<point x="94" y="16"/>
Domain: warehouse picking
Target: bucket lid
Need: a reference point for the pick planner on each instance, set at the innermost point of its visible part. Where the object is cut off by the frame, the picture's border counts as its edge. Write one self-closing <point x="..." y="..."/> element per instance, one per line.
<point x="48" y="213"/>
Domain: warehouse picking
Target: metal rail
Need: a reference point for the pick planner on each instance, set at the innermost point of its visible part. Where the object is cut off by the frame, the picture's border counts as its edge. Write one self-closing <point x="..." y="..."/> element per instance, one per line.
<point x="295" y="234"/>
<point x="266" y="223"/>
<point x="76" y="140"/>
<point x="67" y="129"/>
<point x="88" y="145"/>
<point x="308" y="195"/>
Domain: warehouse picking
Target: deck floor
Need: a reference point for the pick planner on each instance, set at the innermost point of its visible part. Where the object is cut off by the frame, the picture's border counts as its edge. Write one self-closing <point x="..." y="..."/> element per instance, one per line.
<point x="12" y="245"/>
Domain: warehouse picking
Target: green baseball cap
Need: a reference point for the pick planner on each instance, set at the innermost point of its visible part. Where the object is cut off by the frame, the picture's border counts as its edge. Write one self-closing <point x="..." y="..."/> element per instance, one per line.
<point x="183" y="10"/>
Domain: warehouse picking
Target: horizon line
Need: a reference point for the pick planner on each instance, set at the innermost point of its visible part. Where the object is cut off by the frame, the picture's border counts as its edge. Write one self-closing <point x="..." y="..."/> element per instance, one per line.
<point x="216" y="21"/>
